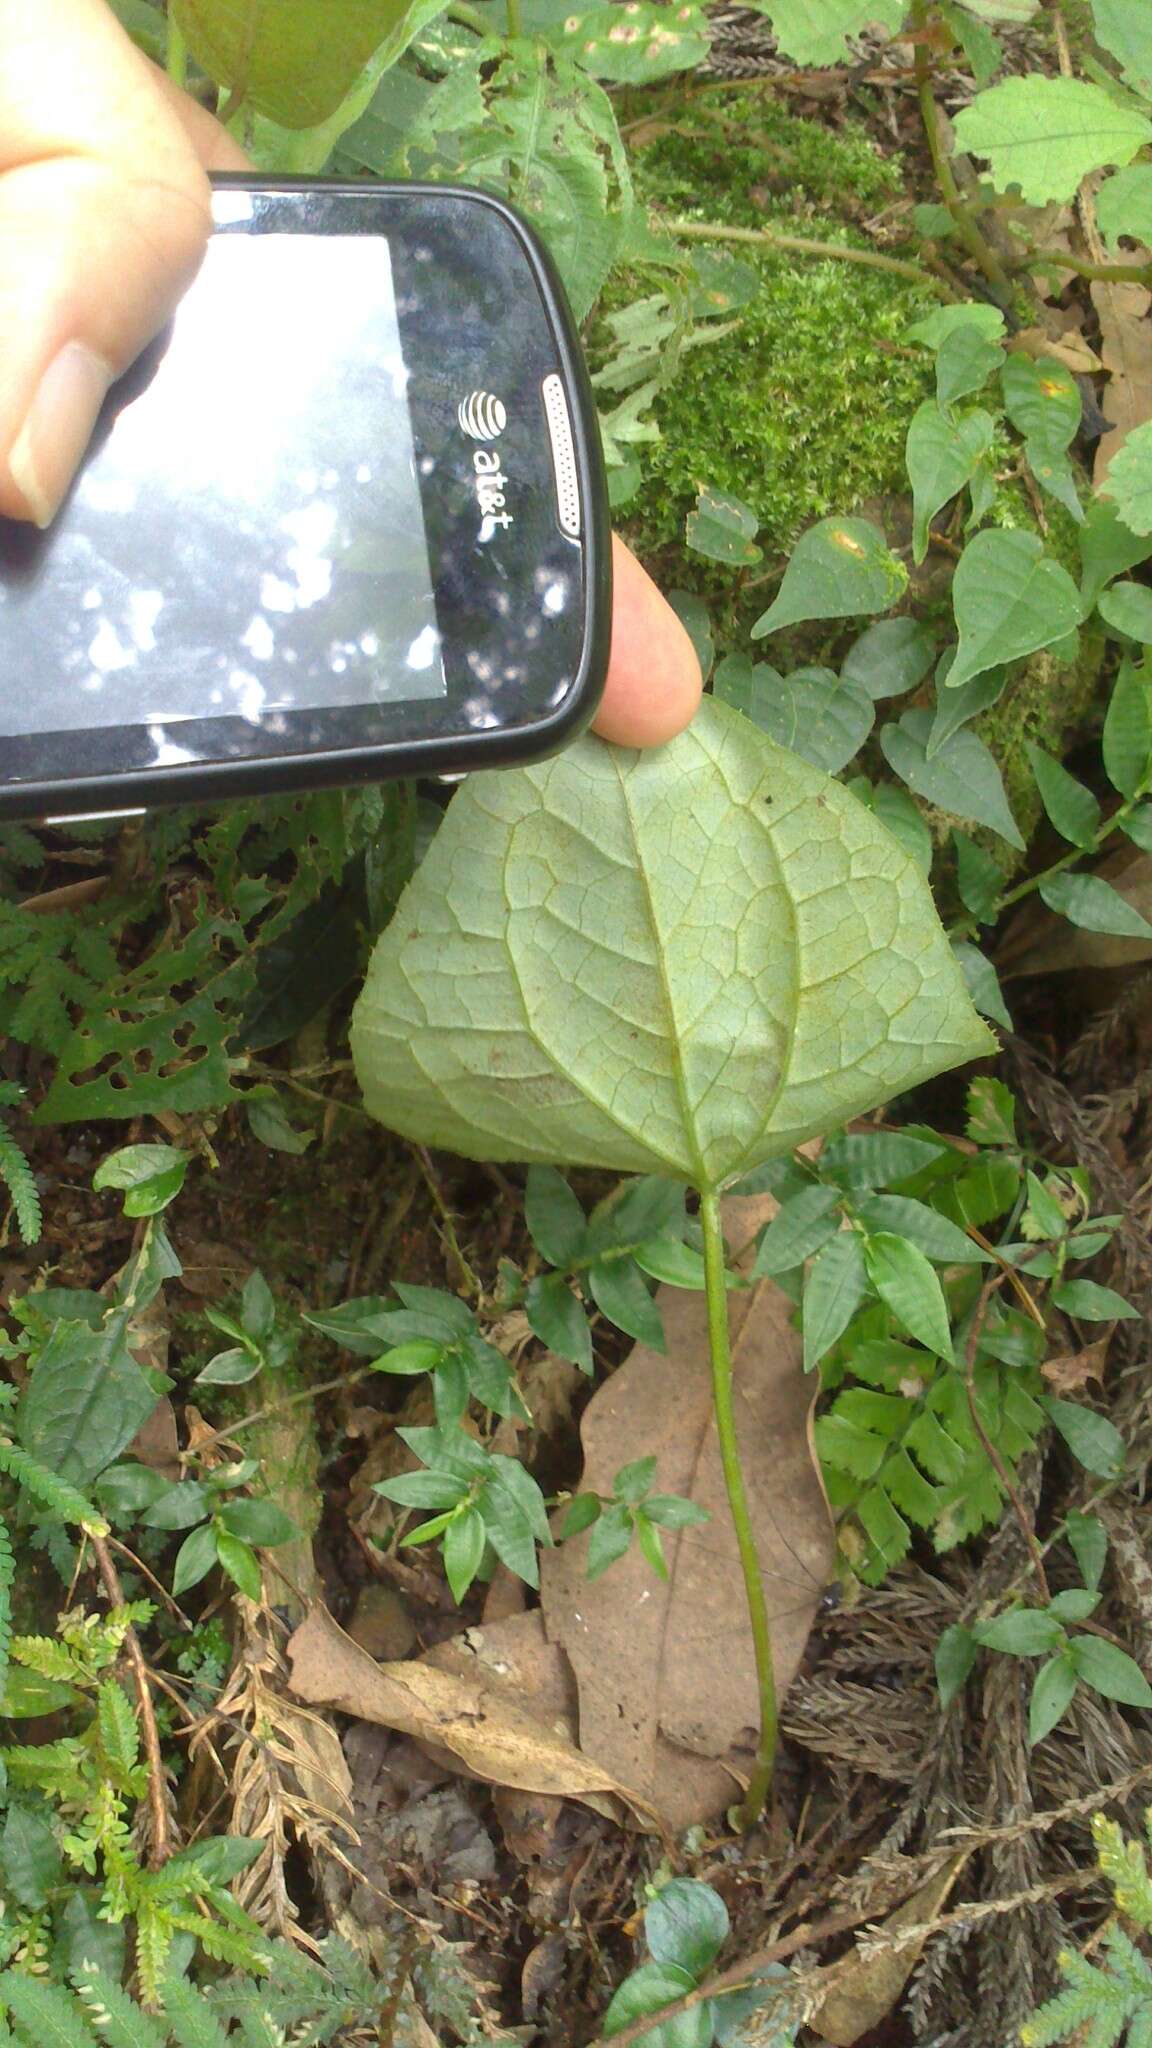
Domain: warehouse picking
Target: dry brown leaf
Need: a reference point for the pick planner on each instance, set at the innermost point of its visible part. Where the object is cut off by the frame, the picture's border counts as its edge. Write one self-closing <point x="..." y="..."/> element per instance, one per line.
<point x="1069" y="348"/>
<point x="667" y="1681"/>
<point x="477" y="1718"/>
<point x="1041" y="942"/>
<point x="1071" y="1373"/>
<point x="1126" y="349"/>
<point x="868" y="1989"/>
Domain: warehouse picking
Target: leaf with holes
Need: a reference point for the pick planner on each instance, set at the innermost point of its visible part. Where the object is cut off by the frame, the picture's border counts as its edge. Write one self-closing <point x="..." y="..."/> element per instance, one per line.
<point x="1045" y="135"/>
<point x="663" y="962"/>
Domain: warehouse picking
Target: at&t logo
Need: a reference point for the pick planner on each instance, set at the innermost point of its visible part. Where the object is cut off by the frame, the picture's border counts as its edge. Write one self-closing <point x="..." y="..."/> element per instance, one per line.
<point x="482" y="416"/>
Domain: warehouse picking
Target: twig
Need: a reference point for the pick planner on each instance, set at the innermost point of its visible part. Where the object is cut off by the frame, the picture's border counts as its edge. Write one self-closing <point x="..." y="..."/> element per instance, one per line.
<point x="966" y="227"/>
<point x="990" y="1451"/>
<point x="160" y="1847"/>
<point x="466" y="1272"/>
<point x="233" y="1429"/>
<point x="804" y="245"/>
<point x="139" y="1565"/>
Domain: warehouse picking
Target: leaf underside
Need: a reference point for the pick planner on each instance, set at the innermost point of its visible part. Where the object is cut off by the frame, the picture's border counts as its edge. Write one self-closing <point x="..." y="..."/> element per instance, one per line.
<point x="683" y="961"/>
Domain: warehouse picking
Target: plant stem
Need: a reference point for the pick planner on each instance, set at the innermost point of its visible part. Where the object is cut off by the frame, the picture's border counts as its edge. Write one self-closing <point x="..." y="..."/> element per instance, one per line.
<point x="160" y="1847"/>
<point x="515" y="20"/>
<point x="966" y="228"/>
<point x="1104" y="273"/>
<point x="803" y="245"/>
<point x="720" y="1352"/>
<point x="470" y="17"/>
<point x="177" y="60"/>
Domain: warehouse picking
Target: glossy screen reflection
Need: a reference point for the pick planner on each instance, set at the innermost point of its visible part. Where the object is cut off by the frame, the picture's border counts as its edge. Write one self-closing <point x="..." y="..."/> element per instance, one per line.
<point x="250" y="540"/>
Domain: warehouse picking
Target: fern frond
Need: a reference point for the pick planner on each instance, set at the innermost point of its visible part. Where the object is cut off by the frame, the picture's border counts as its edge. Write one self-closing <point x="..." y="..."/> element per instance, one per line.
<point x="119" y="1734"/>
<point x="190" y="2017"/>
<point x="223" y="1944"/>
<point x="51" y="1492"/>
<point x="18" y="1178"/>
<point x="1123" y="1864"/>
<point x="7" y="1574"/>
<point x="122" y="2022"/>
<point x="45" y="2015"/>
<point x="153" y="1944"/>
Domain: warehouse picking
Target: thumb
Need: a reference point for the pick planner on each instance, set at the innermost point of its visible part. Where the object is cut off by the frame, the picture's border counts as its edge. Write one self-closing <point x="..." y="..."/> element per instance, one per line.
<point x="104" y="216"/>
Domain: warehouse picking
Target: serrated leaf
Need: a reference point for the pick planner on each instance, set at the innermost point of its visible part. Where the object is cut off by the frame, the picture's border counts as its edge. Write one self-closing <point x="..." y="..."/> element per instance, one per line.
<point x="1091" y="1438"/>
<point x="1128" y="484"/>
<point x="1023" y="1632"/>
<point x="982" y="982"/>
<point x="801" y="1227"/>
<point x="812" y="712"/>
<point x="889" y="658"/>
<point x="1088" y="1539"/>
<point x="1124" y="205"/>
<point x="1111" y="1671"/>
<point x="1070" y="807"/>
<point x="578" y="996"/>
<point x="1094" y="905"/>
<point x="723" y="529"/>
<point x="1125" y="31"/>
<point x="1128" y="732"/>
<point x="954" y="1657"/>
<point x="840" y="568"/>
<point x="815" y="31"/>
<point x="1052" y="1690"/>
<point x="910" y="1287"/>
<point x="979" y="882"/>
<point x="961" y="777"/>
<point x="85" y="1400"/>
<point x="1010" y="599"/>
<point x="556" y="1222"/>
<point x="292" y="61"/>
<point x="1127" y="608"/>
<point x="1046" y="134"/>
<point x="558" y="1319"/>
<point x="30" y="1855"/>
<point x="942" y="455"/>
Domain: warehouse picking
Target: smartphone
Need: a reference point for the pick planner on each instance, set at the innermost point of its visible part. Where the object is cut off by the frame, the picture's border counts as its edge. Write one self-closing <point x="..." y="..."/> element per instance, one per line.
<point x="344" y="519"/>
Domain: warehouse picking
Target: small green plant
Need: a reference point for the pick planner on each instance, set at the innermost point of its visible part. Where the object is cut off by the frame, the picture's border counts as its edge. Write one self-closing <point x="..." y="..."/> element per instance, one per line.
<point x="1043" y="1630"/>
<point x="685" y="1927"/>
<point x="632" y="1510"/>
<point x="16" y="1173"/>
<point x="1110" y="1999"/>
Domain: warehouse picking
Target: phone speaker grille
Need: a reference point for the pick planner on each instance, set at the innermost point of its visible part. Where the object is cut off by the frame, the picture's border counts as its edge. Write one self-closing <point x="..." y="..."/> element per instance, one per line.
<point x="563" y="457"/>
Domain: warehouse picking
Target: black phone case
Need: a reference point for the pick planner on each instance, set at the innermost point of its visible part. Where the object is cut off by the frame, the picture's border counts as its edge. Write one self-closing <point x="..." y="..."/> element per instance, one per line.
<point x="107" y="795"/>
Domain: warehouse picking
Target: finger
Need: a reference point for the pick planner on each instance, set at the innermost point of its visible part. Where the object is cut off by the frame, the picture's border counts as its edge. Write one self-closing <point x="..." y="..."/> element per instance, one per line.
<point x="104" y="215"/>
<point x="654" y="684"/>
<point x="212" y="143"/>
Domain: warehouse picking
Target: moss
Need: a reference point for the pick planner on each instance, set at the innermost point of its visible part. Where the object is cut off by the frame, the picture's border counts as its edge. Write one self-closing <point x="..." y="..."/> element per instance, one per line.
<point x="803" y="410"/>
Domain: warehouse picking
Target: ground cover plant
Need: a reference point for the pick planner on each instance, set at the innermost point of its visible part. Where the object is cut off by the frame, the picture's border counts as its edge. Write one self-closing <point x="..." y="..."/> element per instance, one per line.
<point x="570" y="1458"/>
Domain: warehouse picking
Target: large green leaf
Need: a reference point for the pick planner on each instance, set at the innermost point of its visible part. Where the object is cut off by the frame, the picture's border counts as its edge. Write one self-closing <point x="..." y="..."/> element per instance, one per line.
<point x="1046" y="134"/>
<point x="1010" y="600"/>
<point x="683" y="961"/>
<point x="814" y="31"/>
<point x="1124" y="27"/>
<point x="291" y="59"/>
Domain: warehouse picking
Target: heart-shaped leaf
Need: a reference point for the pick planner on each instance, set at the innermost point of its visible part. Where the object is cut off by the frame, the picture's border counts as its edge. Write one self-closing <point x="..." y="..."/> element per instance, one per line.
<point x="839" y="568"/>
<point x="682" y="961"/>
<point x="1010" y="599"/>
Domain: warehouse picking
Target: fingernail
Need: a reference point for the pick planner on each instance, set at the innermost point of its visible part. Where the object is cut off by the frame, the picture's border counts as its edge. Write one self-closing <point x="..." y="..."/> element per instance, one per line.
<point x="58" y="428"/>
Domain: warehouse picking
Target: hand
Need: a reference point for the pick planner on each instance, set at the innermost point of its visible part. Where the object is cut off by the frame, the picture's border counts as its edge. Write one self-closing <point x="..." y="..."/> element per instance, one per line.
<point x="104" y="214"/>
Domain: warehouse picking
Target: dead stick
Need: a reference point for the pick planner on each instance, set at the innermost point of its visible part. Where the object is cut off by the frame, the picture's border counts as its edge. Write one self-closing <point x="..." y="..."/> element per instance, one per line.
<point x="990" y="1451"/>
<point x="161" y="1847"/>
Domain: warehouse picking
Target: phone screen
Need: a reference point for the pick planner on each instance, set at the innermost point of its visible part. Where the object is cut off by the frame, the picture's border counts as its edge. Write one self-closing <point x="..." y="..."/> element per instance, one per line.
<point x="283" y="564"/>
